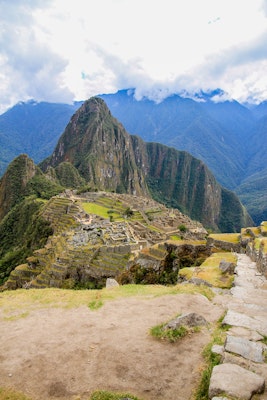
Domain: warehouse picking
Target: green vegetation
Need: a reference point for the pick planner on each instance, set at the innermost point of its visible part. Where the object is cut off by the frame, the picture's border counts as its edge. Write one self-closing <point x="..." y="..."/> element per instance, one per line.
<point x="210" y="360"/>
<point x="68" y="176"/>
<point x="102" y="211"/>
<point x="263" y="227"/>
<point x="171" y="335"/>
<point x="21" y="231"/>
<point x="226" y="237"/>
<point x="182" y="228"/>
<point x="10" y="394"/>
<point x="23" y="300"/>
<point x="128" y="212"/>
<point x="175" y="237"/>
<point x="104" y="395"/>
<point x="95" y="304"/>
<point x="42" y="187"/>
<point x="210" y="271"/>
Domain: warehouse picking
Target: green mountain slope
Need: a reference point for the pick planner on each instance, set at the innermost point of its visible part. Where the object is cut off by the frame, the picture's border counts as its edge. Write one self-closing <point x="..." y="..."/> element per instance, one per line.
<point x="108" y="158"/>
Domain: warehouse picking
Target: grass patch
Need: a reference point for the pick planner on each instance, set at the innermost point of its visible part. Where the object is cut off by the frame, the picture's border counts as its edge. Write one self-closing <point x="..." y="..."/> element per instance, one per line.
<point x="226" y="237"/>
<point x="171" y="335"/>
<point x="92" y="208"/>
<point x="175" y="237"/>
<point x="21" y="300"/>
<point x="210" y="271"/>
<point x="16" y="316"/>
<point x="9" y="394"/>
<point x="210" y="360"/>
<point x="95" y="304"/>
<point x="104" y="395"/>
<point x="263" y="227"/>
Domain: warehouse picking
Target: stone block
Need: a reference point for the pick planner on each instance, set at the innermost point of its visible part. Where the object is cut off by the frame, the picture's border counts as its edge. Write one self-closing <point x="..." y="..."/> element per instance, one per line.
<point x="233" y="380"/>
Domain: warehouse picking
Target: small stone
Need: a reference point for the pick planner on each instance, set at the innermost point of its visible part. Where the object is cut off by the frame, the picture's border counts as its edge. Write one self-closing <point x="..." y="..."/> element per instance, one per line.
<point x="219" y="398"/>
<point x="190" y="320"/>
<point x="217" y="349"/>
<point x="227" y="267"/>
<point x="110" y="283"/>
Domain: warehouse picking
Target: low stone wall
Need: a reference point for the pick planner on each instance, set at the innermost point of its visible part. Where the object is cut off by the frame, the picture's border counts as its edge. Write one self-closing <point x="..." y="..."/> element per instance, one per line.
<point x="220" y="244"/>
<point x="259" y="257"/>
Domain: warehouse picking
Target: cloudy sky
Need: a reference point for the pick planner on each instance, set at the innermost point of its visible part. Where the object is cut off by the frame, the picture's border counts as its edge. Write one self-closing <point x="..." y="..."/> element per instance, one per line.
<point x="65" y="50"/>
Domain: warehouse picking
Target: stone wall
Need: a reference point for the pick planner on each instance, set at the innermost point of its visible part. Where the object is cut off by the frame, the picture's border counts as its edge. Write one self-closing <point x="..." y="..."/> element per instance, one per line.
<point x="220" y="244"/>
<point x="259" y="256"/>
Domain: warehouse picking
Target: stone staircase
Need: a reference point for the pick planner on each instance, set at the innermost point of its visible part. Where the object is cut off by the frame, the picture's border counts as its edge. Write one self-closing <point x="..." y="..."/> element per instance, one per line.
<point x="243" y="369"/>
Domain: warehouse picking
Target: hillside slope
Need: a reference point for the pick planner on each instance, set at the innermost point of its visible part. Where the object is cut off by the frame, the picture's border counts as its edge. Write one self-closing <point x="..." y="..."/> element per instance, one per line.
<point x="108" y="158"/>
<point x="32" y="128"/>
<point x="228" y="137"/>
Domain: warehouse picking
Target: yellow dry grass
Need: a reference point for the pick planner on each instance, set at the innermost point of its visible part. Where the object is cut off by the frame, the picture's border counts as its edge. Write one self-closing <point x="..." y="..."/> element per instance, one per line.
<point x="226" y="237"/>
<point x="10" y="394"/>
<point x="210" y="271"/>
<point x="19" y="303"/>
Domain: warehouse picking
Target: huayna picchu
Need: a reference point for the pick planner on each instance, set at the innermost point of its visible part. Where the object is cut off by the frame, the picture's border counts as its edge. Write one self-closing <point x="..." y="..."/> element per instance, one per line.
<point x="110" y="159"/>
<point x="99" y="203"/>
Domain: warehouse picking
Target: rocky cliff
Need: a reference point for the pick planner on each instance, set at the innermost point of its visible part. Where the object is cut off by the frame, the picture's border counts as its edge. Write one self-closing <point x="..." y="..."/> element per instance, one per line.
<point x="108" y="158"/>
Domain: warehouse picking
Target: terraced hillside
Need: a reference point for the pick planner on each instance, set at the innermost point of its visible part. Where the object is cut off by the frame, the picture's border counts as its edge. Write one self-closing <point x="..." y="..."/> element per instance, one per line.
<point x="95" y="236"/>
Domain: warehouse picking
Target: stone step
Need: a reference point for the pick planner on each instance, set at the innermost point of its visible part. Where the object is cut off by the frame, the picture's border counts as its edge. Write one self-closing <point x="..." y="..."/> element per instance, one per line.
<point x="248" y="349"/>
<point x="235" y="381"/>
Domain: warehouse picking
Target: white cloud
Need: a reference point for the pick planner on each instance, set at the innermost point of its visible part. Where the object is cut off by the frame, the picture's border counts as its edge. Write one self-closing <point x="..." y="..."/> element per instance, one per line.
<point x="59" y="50"/>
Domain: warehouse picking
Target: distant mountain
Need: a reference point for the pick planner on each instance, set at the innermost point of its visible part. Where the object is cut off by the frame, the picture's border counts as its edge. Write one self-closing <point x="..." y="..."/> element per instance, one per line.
<point x="110" y="159"/>
<point x="214" y="132"/>
<point x="96" y="153"/>
<point x="227" y="136"/>
<point x="32" y="128"/>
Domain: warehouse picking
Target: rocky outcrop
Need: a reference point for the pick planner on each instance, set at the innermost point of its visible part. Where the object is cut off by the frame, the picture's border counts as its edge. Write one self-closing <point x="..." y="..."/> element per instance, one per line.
<point x="189" y="320"/>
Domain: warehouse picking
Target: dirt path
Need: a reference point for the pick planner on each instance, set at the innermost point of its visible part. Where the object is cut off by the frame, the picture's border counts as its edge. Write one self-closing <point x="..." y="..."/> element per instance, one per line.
<point x="58" y="353"/>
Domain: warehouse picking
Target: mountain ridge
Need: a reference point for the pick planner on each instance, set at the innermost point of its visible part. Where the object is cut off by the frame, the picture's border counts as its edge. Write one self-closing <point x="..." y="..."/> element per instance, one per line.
<point x="95" y="153"/>
<point x="108" y="158"/>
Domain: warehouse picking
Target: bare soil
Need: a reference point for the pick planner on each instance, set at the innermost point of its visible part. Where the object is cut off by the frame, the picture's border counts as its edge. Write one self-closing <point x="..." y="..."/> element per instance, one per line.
<point x="58" y="353"/>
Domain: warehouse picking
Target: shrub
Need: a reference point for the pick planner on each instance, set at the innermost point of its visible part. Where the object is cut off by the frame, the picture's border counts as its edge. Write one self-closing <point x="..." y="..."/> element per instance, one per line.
<point x="182" y="228"/>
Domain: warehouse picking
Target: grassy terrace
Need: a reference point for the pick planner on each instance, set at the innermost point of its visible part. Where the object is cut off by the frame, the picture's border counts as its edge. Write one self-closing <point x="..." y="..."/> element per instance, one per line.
<point x="226" y="237"/>
<point x="261" y="243"/>
<point x="102" y="211"/>
<point x="263" y="227"/>
<point x="210" y="271"/>
<point x="17" y="304"/>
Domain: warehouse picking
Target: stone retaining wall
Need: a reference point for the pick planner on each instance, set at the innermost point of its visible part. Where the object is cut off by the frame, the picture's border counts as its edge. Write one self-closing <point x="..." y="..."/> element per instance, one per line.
<point x="259" y="257"/>
<point x="228" y="246"/>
